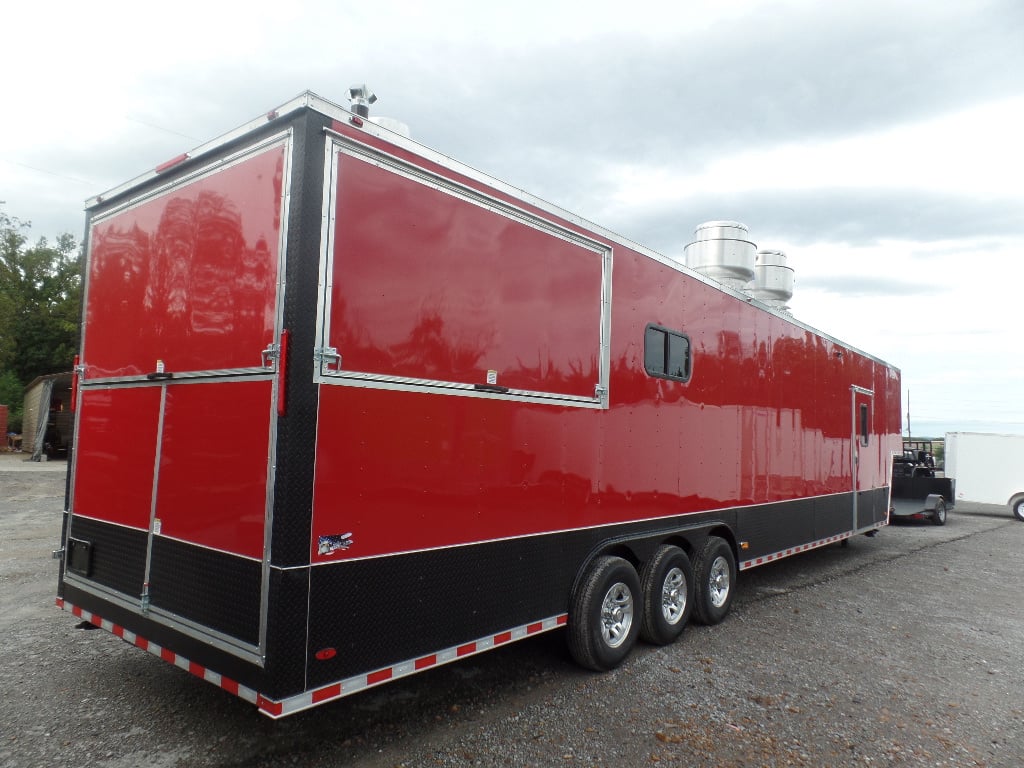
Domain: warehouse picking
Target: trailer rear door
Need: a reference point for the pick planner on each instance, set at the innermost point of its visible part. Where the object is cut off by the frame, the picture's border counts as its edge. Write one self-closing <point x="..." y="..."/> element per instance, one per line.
<point x="173" y="465"/>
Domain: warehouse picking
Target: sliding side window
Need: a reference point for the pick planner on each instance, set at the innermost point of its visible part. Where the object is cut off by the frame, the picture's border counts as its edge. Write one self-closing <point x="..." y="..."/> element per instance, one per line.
<point x="666" y="353"/>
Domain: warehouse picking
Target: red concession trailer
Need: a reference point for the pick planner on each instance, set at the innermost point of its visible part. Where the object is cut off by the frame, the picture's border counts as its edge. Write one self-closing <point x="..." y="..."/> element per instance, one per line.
<point x="348" y="410"/>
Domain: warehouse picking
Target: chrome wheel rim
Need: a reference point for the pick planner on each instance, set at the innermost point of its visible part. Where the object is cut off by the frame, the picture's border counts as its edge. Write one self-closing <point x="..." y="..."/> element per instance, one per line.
<point x="673" y="596"/>
<point x="616" y="615"/>
<point x="718" y="581"/>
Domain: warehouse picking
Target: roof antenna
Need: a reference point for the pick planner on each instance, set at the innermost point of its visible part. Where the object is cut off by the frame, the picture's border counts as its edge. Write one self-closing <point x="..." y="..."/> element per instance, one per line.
<point x="361" y="98"/>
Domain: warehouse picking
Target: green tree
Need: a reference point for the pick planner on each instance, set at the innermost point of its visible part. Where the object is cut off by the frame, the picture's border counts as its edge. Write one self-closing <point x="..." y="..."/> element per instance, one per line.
<point x="40" y="306"/>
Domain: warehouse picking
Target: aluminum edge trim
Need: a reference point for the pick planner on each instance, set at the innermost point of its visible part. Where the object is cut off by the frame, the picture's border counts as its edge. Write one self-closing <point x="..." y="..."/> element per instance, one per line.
<point x="275" y="394"/>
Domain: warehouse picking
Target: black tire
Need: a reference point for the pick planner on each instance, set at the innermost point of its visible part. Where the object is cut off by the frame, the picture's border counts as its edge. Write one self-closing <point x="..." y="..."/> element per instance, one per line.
<point x="715" y="581"/>
<point x="939" y="513"/>
<point x="667" y="584"/>
<point x="1018" y="508"/>
<point x="604" y="614"/>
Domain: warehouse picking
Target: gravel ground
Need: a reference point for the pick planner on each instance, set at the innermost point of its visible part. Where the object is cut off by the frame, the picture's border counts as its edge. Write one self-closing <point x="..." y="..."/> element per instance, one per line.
<point x="906" y="649"/>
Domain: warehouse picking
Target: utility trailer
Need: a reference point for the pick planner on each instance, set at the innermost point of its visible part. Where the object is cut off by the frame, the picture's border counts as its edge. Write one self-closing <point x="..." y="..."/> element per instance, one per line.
<point x="918" y="492"/>
<point x="989" y="468"/>
<point x="921" y="503"/>
<point x="349" y="410"/>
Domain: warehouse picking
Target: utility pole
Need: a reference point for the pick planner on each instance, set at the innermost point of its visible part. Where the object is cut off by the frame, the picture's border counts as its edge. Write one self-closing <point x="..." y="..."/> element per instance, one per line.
<point x="908" y="415"/>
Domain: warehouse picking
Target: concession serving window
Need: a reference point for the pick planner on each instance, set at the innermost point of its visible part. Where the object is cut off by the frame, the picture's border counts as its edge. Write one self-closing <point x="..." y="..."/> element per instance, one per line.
<point x="430" y="284"/>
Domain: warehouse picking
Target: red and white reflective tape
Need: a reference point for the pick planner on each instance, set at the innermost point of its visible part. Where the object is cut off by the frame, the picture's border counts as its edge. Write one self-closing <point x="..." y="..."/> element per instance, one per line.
<point x="756" y="561"/>
<point x="352" y="685"/>
<point x="229" y="685"/>
<point x="279" y="708"/>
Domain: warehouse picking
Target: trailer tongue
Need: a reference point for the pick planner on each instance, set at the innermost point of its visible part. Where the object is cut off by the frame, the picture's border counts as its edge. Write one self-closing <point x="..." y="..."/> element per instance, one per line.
<point x="348" y="410"/>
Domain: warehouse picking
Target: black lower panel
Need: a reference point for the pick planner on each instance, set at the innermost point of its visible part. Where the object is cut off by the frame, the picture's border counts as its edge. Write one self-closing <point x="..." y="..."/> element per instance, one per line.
<point x="771" y="528"/>
<point x="211" y="588"/>
<point x="368" y="614"/>
<point x="872" y="506"/>
<point x="380" y="611"/>
<point x="117" y="556"/>
<point x="330" y="622"/>
<point x="833" y="515"/>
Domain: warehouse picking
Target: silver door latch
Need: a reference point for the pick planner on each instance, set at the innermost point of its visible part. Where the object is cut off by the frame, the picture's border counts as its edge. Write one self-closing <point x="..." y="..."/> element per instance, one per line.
<point x="270" y="355"/>
<point x="327" y="356"/>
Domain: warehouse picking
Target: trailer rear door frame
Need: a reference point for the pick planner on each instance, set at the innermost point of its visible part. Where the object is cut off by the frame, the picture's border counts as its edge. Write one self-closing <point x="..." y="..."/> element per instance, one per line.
<point x="194" y="258"/>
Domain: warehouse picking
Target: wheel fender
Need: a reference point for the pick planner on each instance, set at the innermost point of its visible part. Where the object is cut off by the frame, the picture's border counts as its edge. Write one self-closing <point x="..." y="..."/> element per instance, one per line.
<point x="932" y="500"/>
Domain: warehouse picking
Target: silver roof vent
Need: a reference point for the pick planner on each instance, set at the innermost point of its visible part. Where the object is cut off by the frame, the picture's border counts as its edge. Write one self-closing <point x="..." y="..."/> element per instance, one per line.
<point x="773" y="280"/>
<point x="722" y="252"/>
<point x="361" y="98"/>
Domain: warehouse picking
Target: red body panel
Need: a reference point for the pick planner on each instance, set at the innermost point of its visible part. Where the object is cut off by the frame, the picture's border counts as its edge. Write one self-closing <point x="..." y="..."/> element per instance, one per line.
<point x="431" y="286"/>
<point x="117" y="431"/>
<point x="188" y="277"/>
<point x="213" y="465"/>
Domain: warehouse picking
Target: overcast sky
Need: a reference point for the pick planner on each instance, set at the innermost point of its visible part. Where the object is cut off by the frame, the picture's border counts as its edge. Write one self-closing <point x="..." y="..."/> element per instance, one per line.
<point x="877" y="143"/>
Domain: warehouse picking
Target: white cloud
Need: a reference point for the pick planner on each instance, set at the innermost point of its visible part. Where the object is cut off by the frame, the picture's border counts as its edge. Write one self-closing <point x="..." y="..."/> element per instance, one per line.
<point x="970" y="152"/>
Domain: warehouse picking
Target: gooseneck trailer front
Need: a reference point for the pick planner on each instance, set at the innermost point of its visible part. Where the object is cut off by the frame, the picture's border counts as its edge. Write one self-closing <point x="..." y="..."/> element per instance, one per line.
<point x="348" y="409"/>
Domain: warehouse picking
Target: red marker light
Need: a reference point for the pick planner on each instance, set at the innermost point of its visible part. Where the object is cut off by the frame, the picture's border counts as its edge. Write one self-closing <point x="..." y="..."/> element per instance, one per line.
<point x="172" y="162"/>
<point x="74" y="383"/>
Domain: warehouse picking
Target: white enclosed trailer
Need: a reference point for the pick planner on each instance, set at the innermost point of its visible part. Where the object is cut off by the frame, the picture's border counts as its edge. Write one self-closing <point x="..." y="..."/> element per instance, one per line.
<point x="988" y="468"/>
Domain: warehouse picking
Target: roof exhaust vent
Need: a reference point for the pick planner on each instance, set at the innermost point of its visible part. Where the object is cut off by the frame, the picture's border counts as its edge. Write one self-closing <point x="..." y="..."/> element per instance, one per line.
<point x="361" y="98"/>
<point x="722" y="252"/>
<point x="773" y="280"/>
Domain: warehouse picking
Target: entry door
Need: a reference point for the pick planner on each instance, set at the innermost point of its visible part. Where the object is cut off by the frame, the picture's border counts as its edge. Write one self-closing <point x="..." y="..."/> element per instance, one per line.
<point x="863" y="447"/>
<point x="178" y="392"/>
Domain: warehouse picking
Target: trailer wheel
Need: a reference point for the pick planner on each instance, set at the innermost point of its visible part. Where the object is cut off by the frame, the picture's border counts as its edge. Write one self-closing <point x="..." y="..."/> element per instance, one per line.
<point x="667" y="584"/>
<point x="939" y="513"/>
<point x="604" y="614"/>
<point x="715" y="571"/>
<point x="1018" y="508"/>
